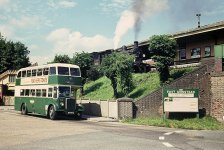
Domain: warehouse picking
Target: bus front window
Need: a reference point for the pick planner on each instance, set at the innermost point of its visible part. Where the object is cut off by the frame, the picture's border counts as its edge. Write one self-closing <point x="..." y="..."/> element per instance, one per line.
<point x="64" y="91"/>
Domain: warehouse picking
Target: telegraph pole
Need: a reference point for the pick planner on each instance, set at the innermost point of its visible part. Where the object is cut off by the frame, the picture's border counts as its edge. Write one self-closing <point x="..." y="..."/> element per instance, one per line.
<point x="198" y="15"/>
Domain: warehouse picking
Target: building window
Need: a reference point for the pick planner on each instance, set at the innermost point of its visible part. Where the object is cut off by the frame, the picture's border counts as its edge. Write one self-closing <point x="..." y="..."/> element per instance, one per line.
<point x="196" y="53"/>
<point x="207" y="51"/>
<point x="12" y="78"/>
<point x="182" y="54"/>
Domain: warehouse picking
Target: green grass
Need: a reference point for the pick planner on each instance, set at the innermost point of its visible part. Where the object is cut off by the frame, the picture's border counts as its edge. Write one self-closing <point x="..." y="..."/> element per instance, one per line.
<point x="99" y="89"/>
<point x="206" y="123"/>
<point x="144" y="84"/>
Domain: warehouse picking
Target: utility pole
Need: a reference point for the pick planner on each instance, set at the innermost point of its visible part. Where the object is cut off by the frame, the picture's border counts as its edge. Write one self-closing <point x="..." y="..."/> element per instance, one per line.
<point x="198" y="15"/>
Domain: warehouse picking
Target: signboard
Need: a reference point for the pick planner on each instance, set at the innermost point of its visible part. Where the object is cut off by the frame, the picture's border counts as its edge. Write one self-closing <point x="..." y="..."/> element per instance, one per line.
<point x="180" y="100"/>
<point x="34" y="80"/>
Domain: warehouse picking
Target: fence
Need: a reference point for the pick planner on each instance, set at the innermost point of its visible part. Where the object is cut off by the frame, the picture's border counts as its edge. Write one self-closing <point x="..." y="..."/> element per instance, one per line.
<point x="8" y="100"/>
<point x="118" y="109"/>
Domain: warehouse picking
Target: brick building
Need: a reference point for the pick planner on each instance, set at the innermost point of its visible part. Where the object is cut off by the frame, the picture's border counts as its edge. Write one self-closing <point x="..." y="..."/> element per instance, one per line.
<point x="192" y="45"/>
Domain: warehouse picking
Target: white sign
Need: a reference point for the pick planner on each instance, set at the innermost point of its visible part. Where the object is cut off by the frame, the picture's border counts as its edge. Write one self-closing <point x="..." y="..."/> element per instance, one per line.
<point x="180" y="104"/>
<point x="34" y="80"/>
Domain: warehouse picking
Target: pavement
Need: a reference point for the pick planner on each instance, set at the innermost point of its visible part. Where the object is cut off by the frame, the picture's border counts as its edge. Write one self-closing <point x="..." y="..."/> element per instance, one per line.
<point x="86" y="117"/>
<point x="194" y="134"/>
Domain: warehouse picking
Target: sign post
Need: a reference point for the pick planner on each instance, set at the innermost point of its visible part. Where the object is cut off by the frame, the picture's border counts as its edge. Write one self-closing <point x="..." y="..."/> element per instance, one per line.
<point x="180" y="100"/>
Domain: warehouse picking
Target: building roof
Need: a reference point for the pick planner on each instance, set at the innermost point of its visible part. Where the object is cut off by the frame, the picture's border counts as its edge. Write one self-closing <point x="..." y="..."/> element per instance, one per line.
<point x="8" y="72"/>
<point x="202" y="29"/>
<point x="193" y="31"/>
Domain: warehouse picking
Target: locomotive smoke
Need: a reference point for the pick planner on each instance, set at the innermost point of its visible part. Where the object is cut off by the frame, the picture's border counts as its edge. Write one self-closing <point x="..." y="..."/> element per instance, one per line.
<point x="134" y="17"/>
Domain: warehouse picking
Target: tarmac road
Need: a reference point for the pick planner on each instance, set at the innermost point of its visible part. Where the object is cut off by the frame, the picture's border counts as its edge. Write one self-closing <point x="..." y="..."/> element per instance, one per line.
<point x="18" y="132"/>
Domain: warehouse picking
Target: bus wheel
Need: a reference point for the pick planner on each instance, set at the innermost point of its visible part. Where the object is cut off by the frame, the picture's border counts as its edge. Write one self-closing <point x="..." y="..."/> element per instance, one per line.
<point x="23" y="109"/>
<point x="52" y="113"/>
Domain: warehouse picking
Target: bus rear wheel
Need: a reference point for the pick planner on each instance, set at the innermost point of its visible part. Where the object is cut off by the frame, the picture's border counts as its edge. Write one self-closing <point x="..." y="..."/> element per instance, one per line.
<point x="52" y="113"/>
<point x="23" y="109"/>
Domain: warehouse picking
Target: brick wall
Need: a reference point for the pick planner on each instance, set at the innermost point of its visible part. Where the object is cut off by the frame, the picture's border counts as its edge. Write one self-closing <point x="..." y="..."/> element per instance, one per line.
<point x="152" y="105"/>
<point x="217" y="95"/>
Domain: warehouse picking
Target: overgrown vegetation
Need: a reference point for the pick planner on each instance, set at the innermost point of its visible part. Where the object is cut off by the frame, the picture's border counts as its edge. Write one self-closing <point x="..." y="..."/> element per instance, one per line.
<point x="163" y="53"/>
<point x="143" y="84"/>
<point x="118" y="67"/>
<point x="206" y="123"/>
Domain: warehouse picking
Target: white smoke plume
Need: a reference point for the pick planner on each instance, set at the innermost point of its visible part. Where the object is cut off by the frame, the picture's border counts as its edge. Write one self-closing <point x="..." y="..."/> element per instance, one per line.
<point x="135" y="15"/>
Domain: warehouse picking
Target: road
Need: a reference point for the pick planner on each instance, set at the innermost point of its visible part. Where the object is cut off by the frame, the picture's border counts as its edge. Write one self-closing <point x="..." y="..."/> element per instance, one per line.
<point x="18" y="132"/>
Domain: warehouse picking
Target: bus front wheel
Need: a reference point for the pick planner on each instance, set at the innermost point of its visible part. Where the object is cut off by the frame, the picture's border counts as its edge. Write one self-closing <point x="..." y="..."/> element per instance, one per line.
<point x="23" y="109"/>
<point x="52" y="113"/>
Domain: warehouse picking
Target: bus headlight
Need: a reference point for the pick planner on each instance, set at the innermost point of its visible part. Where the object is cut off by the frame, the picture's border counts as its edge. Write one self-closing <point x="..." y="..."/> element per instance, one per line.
<point x="62" y="104"/>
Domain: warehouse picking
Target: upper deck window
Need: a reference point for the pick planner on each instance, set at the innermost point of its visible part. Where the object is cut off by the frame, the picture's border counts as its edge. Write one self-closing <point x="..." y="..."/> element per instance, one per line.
<point x="52" y="70"/>
<point x="24" y="73"/>
<point x="39" y="72"/>
<point x="34" y="72"/>
<point x="45" y="71"/>
<point x="28" y="73"/>
<point x="19" y="75"/>
<point x="75" y="71"/>
<point x="63" y="71"/>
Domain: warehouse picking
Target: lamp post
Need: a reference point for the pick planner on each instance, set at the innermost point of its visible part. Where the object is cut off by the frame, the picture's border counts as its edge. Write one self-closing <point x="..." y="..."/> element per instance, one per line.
<point x="198" y="15"/>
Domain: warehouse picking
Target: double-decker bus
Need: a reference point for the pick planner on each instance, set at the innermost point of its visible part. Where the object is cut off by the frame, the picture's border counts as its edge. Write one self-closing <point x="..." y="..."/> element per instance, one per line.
<point x="48" y="90"/>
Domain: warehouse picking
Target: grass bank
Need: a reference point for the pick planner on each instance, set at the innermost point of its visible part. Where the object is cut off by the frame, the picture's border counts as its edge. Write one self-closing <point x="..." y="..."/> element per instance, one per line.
<point x="206" y="123"/>
<point x="144" y="84"/>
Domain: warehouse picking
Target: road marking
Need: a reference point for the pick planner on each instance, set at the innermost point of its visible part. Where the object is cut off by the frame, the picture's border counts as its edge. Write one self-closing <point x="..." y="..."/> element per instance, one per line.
<point x="167" y="144"/>
<point x="168" y="133"/>
<point x="161" y="138"/>
<point x="180" y="131"/>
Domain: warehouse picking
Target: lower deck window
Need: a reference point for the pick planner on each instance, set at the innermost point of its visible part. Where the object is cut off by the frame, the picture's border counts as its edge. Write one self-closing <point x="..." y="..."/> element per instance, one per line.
<point x="38" y="93"/>
<point x="44" y="93"/>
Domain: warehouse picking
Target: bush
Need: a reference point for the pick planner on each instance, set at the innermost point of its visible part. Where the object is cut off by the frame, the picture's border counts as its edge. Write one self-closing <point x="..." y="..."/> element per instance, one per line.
<point x="94" y="73"/>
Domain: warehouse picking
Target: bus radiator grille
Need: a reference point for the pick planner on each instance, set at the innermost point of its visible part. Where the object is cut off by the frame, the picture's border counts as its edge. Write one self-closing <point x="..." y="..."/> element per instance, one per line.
<point x="70" y="105"/>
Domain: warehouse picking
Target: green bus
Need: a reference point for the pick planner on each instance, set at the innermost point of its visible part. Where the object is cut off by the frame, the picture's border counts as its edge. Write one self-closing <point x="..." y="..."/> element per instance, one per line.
<point x="48" y="90"/>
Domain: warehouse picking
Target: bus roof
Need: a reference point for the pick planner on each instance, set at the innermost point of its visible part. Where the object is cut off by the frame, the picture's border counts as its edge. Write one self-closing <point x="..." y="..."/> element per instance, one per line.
<point x="50" y="65"/>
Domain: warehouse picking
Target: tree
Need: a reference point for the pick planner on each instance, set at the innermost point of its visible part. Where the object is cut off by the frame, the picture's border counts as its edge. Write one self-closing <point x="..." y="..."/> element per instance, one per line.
<point x="13" y="55"/>
<point x="84" y="61"/>
<point x="21" y="58"/>
<point x="118" y="68"/>
<point x="62" y="59"/>
<point x="163" y="49"/>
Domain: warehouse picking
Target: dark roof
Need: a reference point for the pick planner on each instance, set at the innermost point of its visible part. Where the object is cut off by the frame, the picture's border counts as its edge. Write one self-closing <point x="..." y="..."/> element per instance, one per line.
<point x="202" y="29"/>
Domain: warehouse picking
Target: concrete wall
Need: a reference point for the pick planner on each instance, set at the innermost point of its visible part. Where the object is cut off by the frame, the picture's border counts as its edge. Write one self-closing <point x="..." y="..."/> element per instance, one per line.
<point x="118" y="109"/>
<point x="8" y="100"/>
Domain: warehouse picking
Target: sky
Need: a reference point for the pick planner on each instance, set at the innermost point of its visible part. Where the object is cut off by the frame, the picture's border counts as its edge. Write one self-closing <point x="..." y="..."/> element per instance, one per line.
<point x="52" y="27"/>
